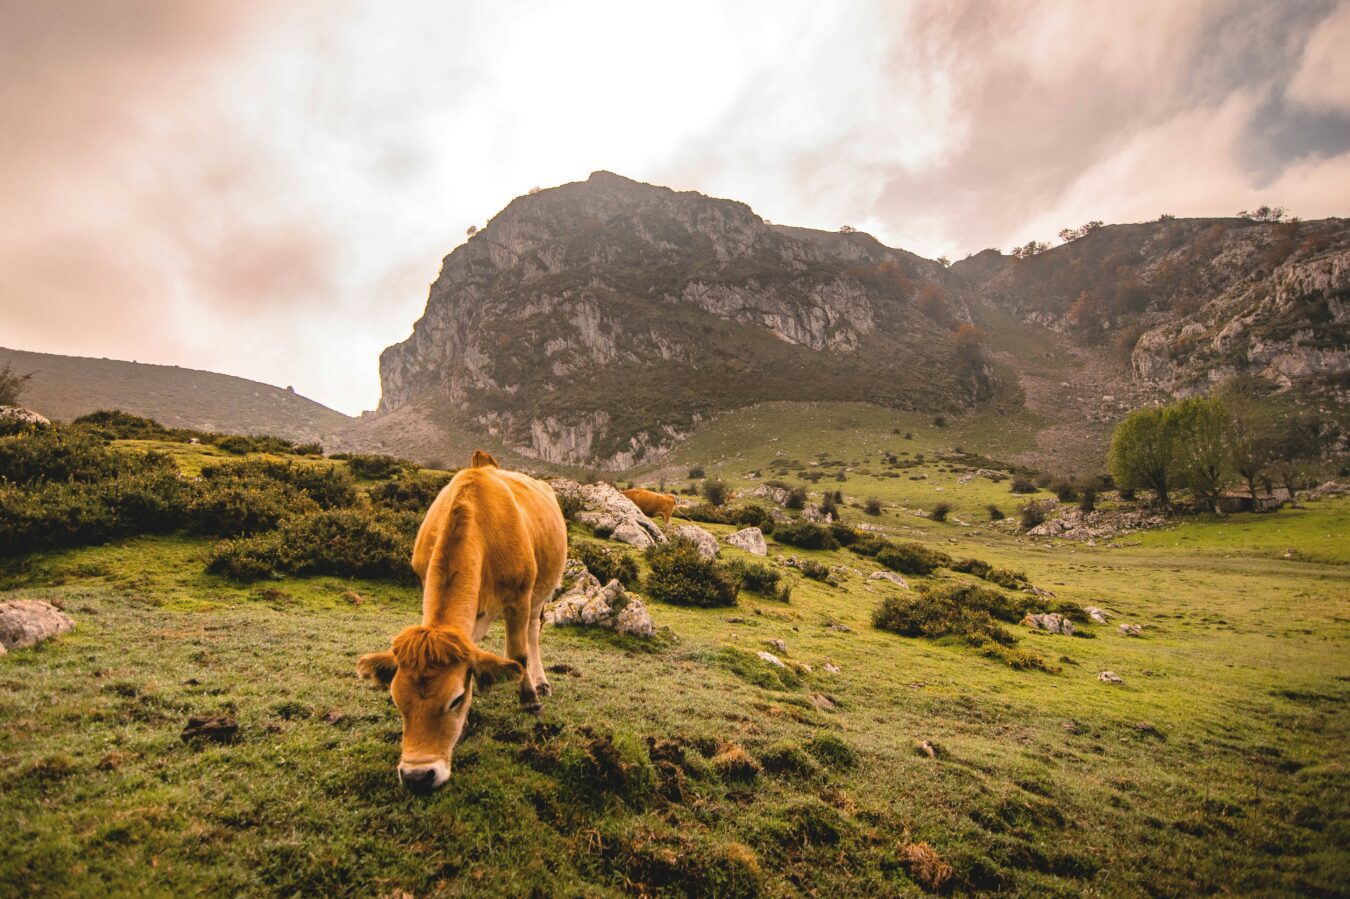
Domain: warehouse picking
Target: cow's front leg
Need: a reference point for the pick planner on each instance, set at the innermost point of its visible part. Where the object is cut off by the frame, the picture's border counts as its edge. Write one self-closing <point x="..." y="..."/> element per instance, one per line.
<point x="518" y="648"/>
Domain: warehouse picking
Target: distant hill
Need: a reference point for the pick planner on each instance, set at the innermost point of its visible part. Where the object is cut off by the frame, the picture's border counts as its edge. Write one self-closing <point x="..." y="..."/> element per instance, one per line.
<point x="65" y="387"/>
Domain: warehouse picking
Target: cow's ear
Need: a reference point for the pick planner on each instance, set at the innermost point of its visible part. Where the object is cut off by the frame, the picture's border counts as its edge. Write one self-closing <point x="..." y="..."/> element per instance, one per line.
<point x="488" y="668"/>
<point x="482" y="460"/>
<point x="377" y="667"/>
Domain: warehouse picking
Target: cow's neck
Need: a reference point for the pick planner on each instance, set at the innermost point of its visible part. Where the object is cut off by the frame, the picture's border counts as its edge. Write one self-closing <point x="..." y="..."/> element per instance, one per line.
<point x="454" y="585"/>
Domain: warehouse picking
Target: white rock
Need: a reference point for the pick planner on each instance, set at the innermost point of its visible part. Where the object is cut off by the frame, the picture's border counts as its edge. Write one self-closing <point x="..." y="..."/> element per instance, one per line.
<point x="706" y="542"/>
<point x="631" y="533"/>
<point x="1053" y="622"/>
<point x="749" y="539"/>
<point x="831" y="667"/>
<point x="603" y="507"/>
<point x="889" y="576"/>
<point x="16" y="418"/>
<point x="1110" y="677"/>
<point x="635" y="619"/>
<point x="771" y="658"/>
<point x="26" y="622"/>
<point x="1098" y="615"/>
<point x="1132" y="630"/>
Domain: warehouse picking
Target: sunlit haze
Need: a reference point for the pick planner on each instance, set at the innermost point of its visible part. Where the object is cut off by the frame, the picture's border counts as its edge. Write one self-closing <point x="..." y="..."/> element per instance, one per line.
<point x="267" y="190"/>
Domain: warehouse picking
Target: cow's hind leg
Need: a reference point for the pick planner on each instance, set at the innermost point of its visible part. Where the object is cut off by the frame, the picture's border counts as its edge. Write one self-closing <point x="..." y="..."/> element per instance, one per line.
<point x="519" y="621"/>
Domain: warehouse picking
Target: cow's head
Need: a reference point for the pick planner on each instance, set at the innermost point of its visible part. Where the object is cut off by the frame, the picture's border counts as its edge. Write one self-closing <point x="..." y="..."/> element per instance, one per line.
<point x="431" y="672"/>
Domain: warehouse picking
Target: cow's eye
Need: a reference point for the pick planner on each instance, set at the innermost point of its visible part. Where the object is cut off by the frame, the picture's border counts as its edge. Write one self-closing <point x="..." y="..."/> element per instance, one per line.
<point x="455" y="703"/>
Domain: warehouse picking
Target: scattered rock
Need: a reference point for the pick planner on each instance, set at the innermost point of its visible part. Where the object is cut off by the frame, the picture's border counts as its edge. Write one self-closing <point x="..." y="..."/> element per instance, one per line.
<point x="333" y="716"/>
<point x="841" y="628"/>
<point x="773" y="494"/>
<point x="1098" y="615"/>
<point x="771" y="658"/>
<point x="749" y="539"/>
<point x="27" y="622"/>
<point x="926" y="748"/>
<point x="780" y="645"/>
<point x="609" y="607"/>
<point x="822" y="702"/>
<point x="213" y="728"/>
<point x="889" y="576"/>
<point x="1290" y="553"/>
<point x="1074" y="728"/>
<point x="706" y="542"/>
<point x="1110" y="677"/>
<point x="1072" y="523"/>
<point x="1132" y="630"/>
<point x="1053" y="622"/>
<point x="604" y="508"/>
<point x="831" y="668"/>
<point x="14" y="419"/>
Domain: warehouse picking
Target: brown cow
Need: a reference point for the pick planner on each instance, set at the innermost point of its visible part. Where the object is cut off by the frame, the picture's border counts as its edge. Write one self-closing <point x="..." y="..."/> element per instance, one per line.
<point x="492" y="545"/>
<point x="652" y="503"/>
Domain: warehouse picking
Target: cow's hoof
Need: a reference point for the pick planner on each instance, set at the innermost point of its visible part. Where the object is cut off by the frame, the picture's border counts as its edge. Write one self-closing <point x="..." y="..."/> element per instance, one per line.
<point x="543" y="688"/>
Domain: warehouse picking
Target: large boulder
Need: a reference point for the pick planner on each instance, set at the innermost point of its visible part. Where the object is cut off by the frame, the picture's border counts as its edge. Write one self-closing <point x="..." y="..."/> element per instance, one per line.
<point x="14" y="419"/>
<point x="749" y="539"/>
<point x="1052" y="622"/>
<point x="706" y="542"/>
<point x="604" y="508"/>
<point x="772" y="494"/>
<point x="609" y="607"/>
<point x="889" y="576"/>
<point x="26" y="622"/>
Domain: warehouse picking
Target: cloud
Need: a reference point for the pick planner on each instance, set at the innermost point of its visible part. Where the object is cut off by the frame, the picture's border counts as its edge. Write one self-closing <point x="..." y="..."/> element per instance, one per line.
<point x="267" y="189"/>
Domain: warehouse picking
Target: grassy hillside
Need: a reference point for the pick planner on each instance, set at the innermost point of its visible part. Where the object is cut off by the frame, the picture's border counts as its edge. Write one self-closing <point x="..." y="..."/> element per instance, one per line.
<point x="1216" y="765"/>
<point x="66" y="387"/>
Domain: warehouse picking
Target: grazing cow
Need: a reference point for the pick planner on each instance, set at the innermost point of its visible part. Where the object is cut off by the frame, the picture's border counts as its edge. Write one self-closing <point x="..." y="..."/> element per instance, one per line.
<point x="493" y="545"/>
<point x="652" y="503"/>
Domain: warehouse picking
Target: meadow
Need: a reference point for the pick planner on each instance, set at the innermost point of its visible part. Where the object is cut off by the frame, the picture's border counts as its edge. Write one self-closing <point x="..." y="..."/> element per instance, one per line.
<point x="686" y="765"/>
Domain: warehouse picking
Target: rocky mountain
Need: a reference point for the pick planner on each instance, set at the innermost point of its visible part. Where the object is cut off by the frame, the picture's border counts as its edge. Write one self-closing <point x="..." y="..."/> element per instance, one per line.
<point x="1191" y="302"/>
<point x="597" y="322"/>
<point x="65" y="387"/>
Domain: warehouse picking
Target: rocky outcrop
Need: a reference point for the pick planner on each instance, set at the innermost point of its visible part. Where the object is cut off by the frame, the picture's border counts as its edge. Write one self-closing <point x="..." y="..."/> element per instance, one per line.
<point x="14" y="419"/>
<point x="706" y="542"/>
<point x="890" y="577"/>
<point x="1053" y="622"/>
<point x="597" y="322"/>
<point x="609" y="512"/>
<point x="749" y="539"/>
<point x="610" y="607"/>
<point x="1072" y="523"/>
<point x="27" y="622"/>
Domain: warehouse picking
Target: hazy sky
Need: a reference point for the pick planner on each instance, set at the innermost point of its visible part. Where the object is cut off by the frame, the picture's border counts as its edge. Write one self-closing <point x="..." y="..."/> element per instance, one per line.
<point x="267" y="189"/>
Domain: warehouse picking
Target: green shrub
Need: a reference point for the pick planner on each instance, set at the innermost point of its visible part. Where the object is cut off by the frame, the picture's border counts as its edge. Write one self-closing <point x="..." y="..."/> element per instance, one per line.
<point x="965" y="611"/>
<point x="1066" y="491"/>
<point x="995" y="513"/>
<point x="416" y="492"/>
<point x="829" y="505"/>
<point x="606" y="563"/>
<point x="327" y="485"/>
<point x="715" y="491"/>
<point x="70" y="454"/>
<point x="342" y="542"/>
<point x="751" y="515"/>
<point x="114" y="424"/>
<point x="757" y="577"/>
<point x="227" y="507"/>
<point x="843" y="534"/>
<point x="872" y="505"/>
<point x="1022" y="484"/>
<point x="1031" y="515"/>
<point x="696" y="471"/>
<point x="308" y="449"/>
<point x="681" y="576"/>
<point x="796" y="498"/>
<point x="375" y="466"/>
<point x="910" y="558"/>
<point x="804" y="534"/>
<point x="816" y="571"/>
<point x="235" y="443"/>
<point x="706" y="513"/>
<point x="49" y="515"/>
<point x="940" y="512"/>
<point x="570" y="506"/>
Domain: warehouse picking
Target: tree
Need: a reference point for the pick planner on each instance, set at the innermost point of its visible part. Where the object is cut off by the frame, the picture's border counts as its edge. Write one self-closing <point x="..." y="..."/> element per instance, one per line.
<point x="969" y="341"/>
<point x="11" y="384"/>
<point x="471" y="230"/>
<point x="1143" y="452"/>
<point x="932" y="303"/>
<point x="1071" y="234"/>
<point x="1296" y="447"/>
<point x="944" y="261"/>
<point x="847" y="229"/>
<point x="1263" y="213"/>
<point x="1252" y="434"/>
<point x="1201" y="428"/>
<point x="715" y="491"/>
<point x="1029" y="249"/>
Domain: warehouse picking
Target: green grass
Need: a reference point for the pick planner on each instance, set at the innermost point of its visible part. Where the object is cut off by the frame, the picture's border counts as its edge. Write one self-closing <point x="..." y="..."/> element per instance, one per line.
<point x="1217" y="765"/>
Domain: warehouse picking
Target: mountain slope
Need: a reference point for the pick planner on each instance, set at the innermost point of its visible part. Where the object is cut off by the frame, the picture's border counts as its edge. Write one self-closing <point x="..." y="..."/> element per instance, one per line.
<point x="64" y="387"/>
<point x="597" y="322"/>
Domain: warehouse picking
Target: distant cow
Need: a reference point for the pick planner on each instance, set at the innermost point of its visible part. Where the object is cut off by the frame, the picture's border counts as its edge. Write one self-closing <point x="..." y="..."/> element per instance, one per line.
<point x="652" y="503"/>
<point x="493" y="545"/>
